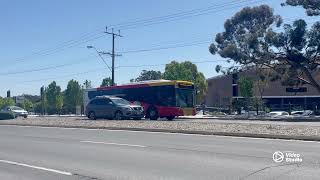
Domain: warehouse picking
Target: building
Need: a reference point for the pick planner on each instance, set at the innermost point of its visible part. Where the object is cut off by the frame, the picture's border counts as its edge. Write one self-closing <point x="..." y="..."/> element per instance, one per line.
<point x="222" y="89"/>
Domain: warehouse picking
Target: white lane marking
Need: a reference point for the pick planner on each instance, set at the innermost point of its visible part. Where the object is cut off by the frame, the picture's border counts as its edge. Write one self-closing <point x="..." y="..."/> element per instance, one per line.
<point x="36" y="167"/>
<point x="117" y="144"/>
<point x="182" y="134"/>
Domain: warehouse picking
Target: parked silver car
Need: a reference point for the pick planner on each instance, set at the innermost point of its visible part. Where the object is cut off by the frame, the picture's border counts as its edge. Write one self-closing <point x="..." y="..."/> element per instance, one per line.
<point x="17" y="111"/>
<point x="113" y="108"/>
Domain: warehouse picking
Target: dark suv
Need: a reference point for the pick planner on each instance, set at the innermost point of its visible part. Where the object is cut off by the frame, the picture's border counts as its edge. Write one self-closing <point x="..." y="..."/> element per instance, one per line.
<point x="112" y="108"/>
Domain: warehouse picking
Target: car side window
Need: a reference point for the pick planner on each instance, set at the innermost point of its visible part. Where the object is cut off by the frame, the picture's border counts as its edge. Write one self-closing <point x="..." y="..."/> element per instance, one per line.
<point x="100" y="102"/>
<point x="106" y="102"/>
<point x="93" y="102"/>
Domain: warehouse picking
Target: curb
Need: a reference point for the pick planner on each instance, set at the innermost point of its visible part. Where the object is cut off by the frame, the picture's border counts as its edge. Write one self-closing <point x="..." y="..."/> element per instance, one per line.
<point x="268" y="136"/>
<point x="262" y="119"/>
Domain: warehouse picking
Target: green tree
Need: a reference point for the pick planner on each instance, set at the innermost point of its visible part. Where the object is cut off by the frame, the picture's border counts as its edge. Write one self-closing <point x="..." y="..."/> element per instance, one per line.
<point x="1" y="102"/>
<point x="246" y="90"/>
<point x="51" y="94"/>
<point x="59" y="104"/>
<point x="72" y="96"/>
<point x="37" y="107"/>
<point x="6" y="102"/>
<point x="312" y="6"/>
<point x="187" y="71"/>
<point x="148" y="75"/>
<point x="246" y="87"/>
<point x="27" y="105"/>
<point x="9" y="102"/>
<point x="87" y="84"/>
<point x="106" y="82"/>
<point x="249" y="40"/>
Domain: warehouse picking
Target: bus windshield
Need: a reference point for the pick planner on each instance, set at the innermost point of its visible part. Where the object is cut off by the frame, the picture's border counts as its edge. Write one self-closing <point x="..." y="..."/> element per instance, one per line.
<point x="184" y="97"/>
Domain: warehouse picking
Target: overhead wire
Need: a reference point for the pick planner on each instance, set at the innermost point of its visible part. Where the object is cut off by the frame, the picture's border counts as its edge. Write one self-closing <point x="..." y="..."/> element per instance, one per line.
<point x="94" y="70"/>
<point x="128" y="25"/>
<point x="44" y="68"/>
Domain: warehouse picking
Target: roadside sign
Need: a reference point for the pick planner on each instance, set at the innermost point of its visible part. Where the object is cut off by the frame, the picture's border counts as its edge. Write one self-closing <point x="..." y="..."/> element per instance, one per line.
<point x="296" y="89"/>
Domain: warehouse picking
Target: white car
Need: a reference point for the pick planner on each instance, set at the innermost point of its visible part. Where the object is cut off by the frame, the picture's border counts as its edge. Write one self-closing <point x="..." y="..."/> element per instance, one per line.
<point x="17" y="111"/>
<point x="278" y="114"/>
<point x="302" y="113"/>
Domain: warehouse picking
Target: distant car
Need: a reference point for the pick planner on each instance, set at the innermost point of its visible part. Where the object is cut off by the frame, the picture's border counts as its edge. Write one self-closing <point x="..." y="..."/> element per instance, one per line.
<point x="278" y="114"/>
<point x="305" y="113"/>
<point x="113" y="108"/>
<point x="17" y="111"/>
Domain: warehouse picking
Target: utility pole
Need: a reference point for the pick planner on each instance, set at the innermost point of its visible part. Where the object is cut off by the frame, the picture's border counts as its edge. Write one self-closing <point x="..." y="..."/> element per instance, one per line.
<point x="114" y="35"/>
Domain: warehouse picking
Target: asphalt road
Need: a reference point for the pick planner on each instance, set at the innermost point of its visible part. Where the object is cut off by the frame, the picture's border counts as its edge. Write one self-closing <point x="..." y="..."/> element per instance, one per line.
<point x="57" y="153"/>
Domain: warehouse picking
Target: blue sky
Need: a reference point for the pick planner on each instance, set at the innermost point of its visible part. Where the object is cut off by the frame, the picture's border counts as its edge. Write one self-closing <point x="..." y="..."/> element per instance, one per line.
<point x="37" y="34"/>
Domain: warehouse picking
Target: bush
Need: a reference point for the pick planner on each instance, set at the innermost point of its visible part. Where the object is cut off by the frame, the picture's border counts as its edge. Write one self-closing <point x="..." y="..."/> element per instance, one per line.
<point x="5" y="115"/>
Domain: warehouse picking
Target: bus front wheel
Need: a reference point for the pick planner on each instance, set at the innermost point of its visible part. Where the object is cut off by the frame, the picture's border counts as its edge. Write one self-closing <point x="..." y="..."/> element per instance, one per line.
<point x="153" y="113"/>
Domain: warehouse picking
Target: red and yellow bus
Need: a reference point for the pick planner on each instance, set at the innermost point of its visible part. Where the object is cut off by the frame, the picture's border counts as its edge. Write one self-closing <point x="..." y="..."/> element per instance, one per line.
<point x="159" y="98"/>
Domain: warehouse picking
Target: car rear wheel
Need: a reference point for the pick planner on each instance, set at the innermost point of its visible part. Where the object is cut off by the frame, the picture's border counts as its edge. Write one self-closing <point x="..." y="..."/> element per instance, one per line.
<point x="118" y="115"/>
<point x="92" y="116"/>
<point x="153" y="114"/>
<point x="25" y="116"/>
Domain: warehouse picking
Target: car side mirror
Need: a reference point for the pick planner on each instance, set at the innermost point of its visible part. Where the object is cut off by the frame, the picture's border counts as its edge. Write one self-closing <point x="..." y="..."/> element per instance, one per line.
<point x="110" y="103"/>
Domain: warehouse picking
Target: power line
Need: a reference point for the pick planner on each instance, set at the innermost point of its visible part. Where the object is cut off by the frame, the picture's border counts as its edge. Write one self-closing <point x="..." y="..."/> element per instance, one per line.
<point x="73" y="63"/>
<point x="163" y="48"/>
<point x="128" y="25"/>
<point x="152" y="19"/>
<point x="184" y="15"/>
<point x="94" y="70"/>
<point x="58" y="49"/>
<point x="153" y="65"/>
<point x="123" y="52"/>
<point x="43" y="68"/>
<point x="64" y="76"/>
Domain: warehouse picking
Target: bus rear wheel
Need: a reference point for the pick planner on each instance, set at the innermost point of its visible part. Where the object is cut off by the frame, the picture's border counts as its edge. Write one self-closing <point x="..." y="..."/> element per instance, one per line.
<point x="170" y="118"/>
<point x="153" y="114"/>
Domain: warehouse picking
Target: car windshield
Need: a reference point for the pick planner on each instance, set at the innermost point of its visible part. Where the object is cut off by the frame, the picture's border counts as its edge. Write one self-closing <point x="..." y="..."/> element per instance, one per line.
<point x="15" y="108"/>
<point x="120" y="101"/>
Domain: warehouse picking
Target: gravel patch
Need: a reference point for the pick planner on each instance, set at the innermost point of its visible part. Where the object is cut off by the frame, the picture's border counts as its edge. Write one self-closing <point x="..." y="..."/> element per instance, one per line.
<point x="178" y="125"/>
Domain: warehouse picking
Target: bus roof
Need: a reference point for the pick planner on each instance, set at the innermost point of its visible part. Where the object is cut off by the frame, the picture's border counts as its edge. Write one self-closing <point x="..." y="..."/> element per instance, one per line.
<point x="161" y="82"/>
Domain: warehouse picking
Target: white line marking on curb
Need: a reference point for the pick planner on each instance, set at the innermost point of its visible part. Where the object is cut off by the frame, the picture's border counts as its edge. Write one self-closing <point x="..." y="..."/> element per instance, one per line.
<point x="36" y="167"/>
<point x="117" y="144"/>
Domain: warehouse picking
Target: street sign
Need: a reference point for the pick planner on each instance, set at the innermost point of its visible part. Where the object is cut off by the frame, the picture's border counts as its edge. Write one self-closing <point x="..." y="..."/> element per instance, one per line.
<point x="296" y="89"/>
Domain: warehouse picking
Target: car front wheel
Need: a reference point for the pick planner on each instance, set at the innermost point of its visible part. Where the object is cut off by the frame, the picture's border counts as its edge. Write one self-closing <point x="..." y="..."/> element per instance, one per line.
<point x="92" y="116"/>
<point x="118" y="115"/>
